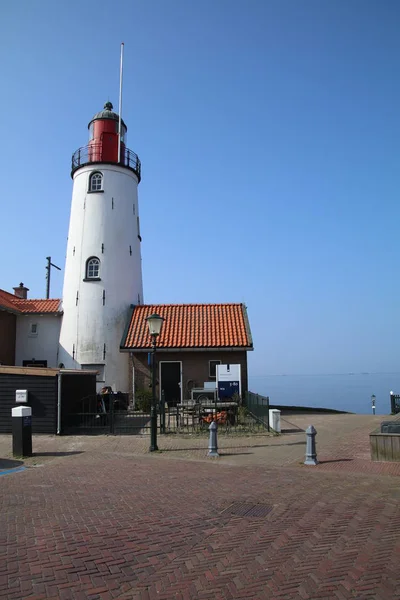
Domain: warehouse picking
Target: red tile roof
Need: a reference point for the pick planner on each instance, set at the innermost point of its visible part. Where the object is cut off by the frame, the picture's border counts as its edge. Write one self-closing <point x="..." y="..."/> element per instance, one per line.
<point x="191" y="326"/>
<point x="19" y="305"/>
<point x="52" y="305"/>
<point x="7" y="300"/>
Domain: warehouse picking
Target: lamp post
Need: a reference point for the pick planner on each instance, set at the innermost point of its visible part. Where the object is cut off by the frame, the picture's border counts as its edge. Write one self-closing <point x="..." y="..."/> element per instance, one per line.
<point x="373" y="398"/>
<point x="155" y="323"/>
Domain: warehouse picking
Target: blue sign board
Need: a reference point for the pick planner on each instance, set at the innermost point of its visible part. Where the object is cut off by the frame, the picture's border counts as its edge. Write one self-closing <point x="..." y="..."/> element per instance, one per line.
<point x="27" y="421"/>
<point x="227" y="389"/>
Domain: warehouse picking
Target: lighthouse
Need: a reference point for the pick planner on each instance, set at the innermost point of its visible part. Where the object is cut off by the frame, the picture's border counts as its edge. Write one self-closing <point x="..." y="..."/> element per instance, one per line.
<point x="103" y="272"/>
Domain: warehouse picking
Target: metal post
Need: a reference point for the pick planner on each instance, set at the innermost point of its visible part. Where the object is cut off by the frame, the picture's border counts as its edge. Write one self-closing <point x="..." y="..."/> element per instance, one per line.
<point x="373" y="398"/>
<point x="311" y="452"/>
<point x="48" y="269"/>
<point x="153" y="417"/>
<point x="111" y="412"/>
<point x="120" y="102"/>
<point x="162" y="412"/>
<point x="48" y="258"/>
<point x="213" y="442"/>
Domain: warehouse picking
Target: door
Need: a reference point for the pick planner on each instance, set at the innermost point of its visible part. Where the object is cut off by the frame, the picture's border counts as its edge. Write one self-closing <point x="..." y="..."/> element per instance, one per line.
<point x="170" y="382"/>
<point x="109" y="146"/>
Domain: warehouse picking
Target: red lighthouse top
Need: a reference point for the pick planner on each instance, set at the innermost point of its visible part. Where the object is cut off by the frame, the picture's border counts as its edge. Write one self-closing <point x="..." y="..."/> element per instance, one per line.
<point x="103" y="143"/>
<point x="103" y="134"/>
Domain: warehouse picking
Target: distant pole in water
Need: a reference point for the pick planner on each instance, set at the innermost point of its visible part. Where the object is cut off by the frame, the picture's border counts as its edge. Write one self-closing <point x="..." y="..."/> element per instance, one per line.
<point x="373" y="398"/>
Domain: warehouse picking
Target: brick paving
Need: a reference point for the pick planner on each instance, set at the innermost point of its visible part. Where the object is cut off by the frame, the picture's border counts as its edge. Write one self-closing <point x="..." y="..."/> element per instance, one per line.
<point x="100" y="518"/>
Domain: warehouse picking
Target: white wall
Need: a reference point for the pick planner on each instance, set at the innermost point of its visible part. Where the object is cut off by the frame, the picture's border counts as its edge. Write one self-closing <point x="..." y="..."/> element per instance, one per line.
<point x="43" y="345"/>
<point x="102" y="224"/>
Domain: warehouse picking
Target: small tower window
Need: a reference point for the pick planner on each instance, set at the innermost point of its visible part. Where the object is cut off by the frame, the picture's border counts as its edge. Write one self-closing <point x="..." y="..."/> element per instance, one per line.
<point x="96" y="182"/>
<point x="93" y="268"/>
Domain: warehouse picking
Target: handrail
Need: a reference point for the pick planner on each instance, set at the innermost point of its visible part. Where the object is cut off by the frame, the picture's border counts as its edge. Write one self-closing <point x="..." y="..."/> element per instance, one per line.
<point x="93" y="153"/>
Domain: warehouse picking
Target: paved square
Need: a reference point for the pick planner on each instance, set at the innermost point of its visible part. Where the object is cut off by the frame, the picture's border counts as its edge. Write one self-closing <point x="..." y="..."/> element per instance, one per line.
<point x="100" y="518"/>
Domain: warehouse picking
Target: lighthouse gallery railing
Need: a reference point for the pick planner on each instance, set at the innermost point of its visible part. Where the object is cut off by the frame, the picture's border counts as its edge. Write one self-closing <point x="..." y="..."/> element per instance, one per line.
<point x="92" y="154"/>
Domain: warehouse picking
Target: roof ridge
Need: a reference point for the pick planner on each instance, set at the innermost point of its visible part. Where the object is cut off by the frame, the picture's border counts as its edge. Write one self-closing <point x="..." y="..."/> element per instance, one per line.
<point x="38" y="299"/>
<point x="190" y="304"/>
<point x="8" y="293"/>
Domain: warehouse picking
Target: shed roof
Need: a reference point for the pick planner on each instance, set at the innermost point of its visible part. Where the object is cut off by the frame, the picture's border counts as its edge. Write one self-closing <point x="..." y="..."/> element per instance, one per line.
<point x="190" y="326"/>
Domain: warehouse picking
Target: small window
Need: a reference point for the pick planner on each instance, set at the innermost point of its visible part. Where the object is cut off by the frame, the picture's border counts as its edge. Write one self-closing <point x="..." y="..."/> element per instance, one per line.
<point x="93" y="268"/>
<point x="212" y="368"/>
<point x="96" y="182"/>
<point x="33" y="330"/>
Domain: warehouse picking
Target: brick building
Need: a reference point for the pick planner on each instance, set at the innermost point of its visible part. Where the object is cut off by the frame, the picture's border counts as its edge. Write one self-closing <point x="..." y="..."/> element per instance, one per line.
<point x="193" y="340"/>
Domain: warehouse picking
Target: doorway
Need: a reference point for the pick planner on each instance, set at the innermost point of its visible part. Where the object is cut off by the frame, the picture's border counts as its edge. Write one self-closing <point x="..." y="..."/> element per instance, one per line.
<point x="171" y="381"/>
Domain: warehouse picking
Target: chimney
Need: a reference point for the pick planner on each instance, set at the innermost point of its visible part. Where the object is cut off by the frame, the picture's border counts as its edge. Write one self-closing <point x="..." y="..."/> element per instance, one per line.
<point x="21" y="291"/>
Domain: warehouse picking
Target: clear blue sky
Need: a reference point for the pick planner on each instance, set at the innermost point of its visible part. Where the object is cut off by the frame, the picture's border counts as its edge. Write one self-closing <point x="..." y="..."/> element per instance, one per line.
<point x="269" y="135"/>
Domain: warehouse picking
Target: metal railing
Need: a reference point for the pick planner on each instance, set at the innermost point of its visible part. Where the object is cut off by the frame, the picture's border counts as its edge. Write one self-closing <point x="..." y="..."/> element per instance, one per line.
<point x="93" y="153"/>
<point x="258" y="406"/>
<point x="105" y="414"/>
<point x="114" y="414"/>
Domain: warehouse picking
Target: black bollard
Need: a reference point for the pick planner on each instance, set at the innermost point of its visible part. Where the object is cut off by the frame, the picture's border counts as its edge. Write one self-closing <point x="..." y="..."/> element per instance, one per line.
<point x="22" y="431"/>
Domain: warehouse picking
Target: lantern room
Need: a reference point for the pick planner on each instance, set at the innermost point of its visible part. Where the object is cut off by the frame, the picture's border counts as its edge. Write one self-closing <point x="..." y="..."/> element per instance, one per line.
<point x="103" y="143"/>
<point x="103" y="135"/>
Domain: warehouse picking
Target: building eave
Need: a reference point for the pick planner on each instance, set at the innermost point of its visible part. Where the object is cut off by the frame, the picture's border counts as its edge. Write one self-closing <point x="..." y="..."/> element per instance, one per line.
<point x="10" y="310"/>
<point x="212" y="349"/>
<point x="40" y="314"/>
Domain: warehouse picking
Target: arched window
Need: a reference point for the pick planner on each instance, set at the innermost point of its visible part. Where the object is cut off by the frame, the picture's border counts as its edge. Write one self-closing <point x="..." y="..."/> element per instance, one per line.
<point x="96" y="182"/>
<point x="92" y="268"/>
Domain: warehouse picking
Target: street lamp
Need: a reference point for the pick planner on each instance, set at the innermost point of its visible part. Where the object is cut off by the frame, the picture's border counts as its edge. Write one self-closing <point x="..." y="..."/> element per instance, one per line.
<point x="373" y="398"/>
<point x="155" y="323"/>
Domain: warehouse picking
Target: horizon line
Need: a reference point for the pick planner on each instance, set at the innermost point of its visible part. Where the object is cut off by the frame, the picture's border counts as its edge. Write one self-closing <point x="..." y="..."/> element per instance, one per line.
<point x="326" y="374"/>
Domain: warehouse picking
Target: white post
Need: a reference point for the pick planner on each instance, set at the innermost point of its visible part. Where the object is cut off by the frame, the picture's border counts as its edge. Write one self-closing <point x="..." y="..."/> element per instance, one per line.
<point x="120" y="102"/>
<point x="275" y="420"/>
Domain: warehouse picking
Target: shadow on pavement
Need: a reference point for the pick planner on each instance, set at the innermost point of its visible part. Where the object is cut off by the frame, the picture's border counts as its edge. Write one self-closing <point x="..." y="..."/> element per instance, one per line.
<point x="293" y="427"/>
<point x="302" y="443"/>
<point x="323" y="462"/>
<point x="7" y="463"/>
<point x="57" y="453"/>
<point x="286" y="431"/>
<point x="233" y="453"/>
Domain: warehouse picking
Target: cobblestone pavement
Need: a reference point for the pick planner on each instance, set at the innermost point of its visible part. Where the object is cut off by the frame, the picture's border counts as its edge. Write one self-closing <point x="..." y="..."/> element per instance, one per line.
<point x="101" y="518"/>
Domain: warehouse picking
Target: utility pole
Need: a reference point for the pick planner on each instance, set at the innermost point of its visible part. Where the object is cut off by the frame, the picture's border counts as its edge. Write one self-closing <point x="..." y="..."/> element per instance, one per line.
<point x="48" y="269"/>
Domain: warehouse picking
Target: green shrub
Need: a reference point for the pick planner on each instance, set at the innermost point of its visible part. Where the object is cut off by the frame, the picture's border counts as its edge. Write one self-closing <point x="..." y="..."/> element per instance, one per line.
<point x="143" y="400"/>
<point x="242" y="414"/>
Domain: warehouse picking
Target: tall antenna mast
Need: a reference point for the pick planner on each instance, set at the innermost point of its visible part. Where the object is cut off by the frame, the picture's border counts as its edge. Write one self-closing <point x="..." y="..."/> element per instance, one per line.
<point x="120" y="102"/>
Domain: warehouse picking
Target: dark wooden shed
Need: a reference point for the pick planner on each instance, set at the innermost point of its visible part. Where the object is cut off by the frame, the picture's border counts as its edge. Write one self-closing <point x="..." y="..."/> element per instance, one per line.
<point x="51" y="392"/>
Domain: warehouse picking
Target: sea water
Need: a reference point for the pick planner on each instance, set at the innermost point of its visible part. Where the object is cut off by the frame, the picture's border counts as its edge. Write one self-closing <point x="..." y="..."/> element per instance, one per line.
<point x="349" y="392"/>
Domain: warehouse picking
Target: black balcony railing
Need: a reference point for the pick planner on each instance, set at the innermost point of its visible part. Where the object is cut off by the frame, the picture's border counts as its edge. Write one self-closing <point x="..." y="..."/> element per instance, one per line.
<point x="93" y="153"/>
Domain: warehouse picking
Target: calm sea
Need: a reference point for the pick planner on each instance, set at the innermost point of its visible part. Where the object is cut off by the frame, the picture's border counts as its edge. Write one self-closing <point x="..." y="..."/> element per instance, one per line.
<point x="351" y="392"/>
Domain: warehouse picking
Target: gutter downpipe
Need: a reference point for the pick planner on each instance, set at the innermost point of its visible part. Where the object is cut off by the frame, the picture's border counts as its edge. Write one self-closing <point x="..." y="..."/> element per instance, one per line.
<point x="59" y="404"/>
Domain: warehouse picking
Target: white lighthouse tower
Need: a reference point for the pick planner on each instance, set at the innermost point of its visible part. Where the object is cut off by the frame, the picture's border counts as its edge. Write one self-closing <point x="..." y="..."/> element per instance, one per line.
<point x="103" y="272"/>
